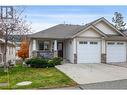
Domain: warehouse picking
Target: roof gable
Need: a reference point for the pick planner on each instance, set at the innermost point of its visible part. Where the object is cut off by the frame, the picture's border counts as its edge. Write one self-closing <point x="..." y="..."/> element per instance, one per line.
<point x="106" y="27"/>
<point x="90" y="31"/>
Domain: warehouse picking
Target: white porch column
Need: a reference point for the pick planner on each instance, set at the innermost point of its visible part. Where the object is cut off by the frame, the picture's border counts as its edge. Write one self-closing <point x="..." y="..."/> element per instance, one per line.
<point x="55" y="49"/>
<point x="34" y="44"/>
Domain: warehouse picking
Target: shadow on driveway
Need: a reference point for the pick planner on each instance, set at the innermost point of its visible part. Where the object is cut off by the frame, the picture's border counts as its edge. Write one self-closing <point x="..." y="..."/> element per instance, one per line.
<point x="109" y="85"/>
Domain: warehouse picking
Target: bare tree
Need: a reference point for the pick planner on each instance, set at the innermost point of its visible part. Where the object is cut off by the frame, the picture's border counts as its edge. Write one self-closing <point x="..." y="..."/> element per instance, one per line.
<point x="12" y="23"/>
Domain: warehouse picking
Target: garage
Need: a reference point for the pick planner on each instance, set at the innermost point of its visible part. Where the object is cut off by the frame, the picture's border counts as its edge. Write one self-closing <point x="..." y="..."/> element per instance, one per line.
<point x="88" y="52"/>
<point x="116" y="51"/>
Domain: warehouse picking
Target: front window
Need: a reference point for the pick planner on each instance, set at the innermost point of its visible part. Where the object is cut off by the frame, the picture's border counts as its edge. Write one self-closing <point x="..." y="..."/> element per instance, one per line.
<point x="44" y="45"/>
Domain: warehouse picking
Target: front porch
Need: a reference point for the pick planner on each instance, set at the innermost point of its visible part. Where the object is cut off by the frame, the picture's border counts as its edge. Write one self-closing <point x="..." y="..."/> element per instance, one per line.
<point x="48" y="48"/>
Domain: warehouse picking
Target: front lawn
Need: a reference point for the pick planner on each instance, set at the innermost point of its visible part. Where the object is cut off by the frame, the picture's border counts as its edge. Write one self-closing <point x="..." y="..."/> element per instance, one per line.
<point x="40" y="77"/>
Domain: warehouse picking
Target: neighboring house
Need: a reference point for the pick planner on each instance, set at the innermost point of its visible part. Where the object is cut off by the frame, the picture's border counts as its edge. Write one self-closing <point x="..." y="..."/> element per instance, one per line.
<point x="17" y="40"/>
<point x="10" y="52"/>
<point x="95" y="42"/>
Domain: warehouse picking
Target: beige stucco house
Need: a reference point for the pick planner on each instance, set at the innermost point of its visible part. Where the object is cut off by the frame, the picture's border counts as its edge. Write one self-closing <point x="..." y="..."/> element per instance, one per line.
<point x="96" y="42"/>
<point x="10" y="52"/>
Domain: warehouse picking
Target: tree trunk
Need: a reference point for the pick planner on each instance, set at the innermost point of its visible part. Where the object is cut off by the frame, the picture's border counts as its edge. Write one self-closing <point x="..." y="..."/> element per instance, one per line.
<point x="24" y="63"/>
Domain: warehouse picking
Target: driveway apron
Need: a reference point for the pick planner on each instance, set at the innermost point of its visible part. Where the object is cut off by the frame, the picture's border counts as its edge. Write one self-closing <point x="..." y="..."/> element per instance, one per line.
<point x="93" y="73"/>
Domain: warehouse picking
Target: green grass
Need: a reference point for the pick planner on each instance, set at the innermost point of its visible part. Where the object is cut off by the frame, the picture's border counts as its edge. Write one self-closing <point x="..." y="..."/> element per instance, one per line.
<point x="40" y="78"/>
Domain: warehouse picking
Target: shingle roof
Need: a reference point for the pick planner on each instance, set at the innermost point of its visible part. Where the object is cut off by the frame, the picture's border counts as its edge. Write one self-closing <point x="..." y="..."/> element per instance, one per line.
<point x="62" y="31"/>
<point x="58" y="31"/>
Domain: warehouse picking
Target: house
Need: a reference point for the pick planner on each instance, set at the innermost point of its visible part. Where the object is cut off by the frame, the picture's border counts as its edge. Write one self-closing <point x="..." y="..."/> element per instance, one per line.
<point x="96" y="42"/>
<point x="17" y="39"/>
<point x="10" y="52"/>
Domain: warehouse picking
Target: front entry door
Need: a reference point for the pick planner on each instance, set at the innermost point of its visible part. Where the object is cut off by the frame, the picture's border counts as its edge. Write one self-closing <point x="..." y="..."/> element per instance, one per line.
<point x="60" y="49"/>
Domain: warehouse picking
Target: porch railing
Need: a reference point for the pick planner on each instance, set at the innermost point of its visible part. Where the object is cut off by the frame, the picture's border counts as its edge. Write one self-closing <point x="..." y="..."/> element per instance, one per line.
<point x="42" y="53"/>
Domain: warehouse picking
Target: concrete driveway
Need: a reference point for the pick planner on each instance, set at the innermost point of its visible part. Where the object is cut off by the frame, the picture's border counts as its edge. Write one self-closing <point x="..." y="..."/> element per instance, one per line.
<point x="93" y="73"/>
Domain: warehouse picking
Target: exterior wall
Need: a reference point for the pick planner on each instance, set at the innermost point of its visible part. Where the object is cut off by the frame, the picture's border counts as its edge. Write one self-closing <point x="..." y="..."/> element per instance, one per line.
<point x="75" y="50"/>
<point x="105" y="28"/>
<point x="1" y="54"/>
<point x="11" y="54"/>
<point x="90" y="33"/>
<point x="64" y="49"/>
<point x="69" y="50"/>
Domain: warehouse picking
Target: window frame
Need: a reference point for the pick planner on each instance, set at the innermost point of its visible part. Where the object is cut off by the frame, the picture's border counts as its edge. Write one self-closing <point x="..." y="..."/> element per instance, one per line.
<point x="93" y="43"/>
<point x="44" y="44"/>
<point x="110" y="43"/>
<point x="83" y="42"/>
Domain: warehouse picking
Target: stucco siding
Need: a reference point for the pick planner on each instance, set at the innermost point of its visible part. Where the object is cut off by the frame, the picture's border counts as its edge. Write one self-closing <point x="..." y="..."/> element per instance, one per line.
<point x="69" y="50"/>
<point x="11" y="54"/>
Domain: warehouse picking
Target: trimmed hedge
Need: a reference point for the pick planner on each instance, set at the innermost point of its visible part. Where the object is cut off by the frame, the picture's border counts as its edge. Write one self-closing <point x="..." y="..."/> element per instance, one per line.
<point x="57" y="60"/>
<point x="43" y="62"/>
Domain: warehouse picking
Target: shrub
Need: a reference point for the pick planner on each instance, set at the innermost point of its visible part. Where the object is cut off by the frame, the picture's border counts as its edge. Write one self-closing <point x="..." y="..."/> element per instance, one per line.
<point x="28" y="61"/>
<point x="43" y="62"/>
<point x="37" y="62"/>
<point x="57" y="60"/>
<point x="51" y="63"/>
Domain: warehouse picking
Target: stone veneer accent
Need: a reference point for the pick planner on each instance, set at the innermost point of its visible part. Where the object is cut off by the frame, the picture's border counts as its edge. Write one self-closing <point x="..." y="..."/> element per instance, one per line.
<point x="103" y="58"/>
<point x="75" y="58"/>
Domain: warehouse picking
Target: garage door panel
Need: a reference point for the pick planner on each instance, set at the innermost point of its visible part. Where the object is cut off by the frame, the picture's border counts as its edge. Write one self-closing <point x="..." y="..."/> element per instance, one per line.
<point x="88" y="53"/>
<point x="116" y="52"/>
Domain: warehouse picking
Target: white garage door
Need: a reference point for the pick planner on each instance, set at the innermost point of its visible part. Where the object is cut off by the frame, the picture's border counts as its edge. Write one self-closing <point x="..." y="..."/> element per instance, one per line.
<point x="116" y="51"/>
<point x="88" y="52"/>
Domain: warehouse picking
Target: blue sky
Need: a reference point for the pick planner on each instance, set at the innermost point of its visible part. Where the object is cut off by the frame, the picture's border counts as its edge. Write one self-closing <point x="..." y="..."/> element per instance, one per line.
<point x="43" y="17"/>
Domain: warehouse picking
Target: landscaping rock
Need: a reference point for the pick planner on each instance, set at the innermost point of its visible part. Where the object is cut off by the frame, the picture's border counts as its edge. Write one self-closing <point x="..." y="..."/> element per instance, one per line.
<point x="24" y="83"/>
<point x="3" y="84"/>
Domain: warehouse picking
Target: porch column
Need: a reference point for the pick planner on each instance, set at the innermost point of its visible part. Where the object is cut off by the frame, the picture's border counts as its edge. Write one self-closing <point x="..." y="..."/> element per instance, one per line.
<point x="103" y="51"/>
<point x="34" y="44"/>
<point x="34" y="53"/>
<point x="55" y="49"/>
<point x="74" y="50"/>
